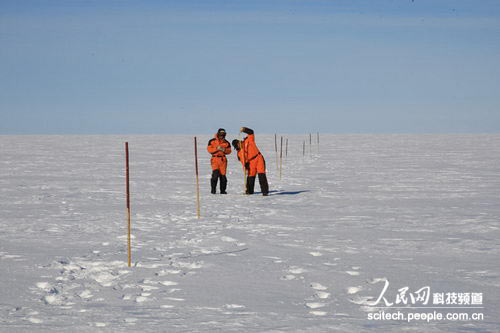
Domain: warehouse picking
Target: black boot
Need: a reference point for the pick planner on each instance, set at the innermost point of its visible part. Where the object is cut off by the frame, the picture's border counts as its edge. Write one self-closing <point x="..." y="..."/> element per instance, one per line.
<point x="250" y="184"/>
<point x="264" y="186"/>
<point x="223" y="184"/>
<point x="213" y="181"/>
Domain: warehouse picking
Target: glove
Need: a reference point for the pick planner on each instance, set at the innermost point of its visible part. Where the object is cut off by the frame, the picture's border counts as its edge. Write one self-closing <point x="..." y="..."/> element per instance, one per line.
<point x="247" y="165"/>
<point x="246" y="130"/>
<point x="220" y="148"/>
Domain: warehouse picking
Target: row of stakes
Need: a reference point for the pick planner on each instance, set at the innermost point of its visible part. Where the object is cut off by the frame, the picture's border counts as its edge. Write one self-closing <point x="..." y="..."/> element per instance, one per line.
<point x="279" y="167"/>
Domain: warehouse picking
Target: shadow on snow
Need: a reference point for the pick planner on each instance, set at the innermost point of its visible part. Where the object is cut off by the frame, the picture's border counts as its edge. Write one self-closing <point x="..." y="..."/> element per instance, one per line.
<point x="284" y="192"/>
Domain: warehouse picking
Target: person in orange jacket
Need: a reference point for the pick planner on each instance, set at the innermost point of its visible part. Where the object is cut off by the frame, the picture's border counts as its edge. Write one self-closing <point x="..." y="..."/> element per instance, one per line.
<point x="219" y="147"/>
<point x="252" y="160"/>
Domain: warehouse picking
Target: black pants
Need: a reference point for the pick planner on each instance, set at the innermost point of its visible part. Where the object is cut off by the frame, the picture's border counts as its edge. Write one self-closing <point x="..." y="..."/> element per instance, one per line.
<point x="215" y="178"/>
<point x="264" y="186"/>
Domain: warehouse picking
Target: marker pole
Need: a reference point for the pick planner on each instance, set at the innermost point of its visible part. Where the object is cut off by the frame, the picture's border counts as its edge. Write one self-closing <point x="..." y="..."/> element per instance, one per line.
<point x="197" y="178"/>
<point x="129" y="251"/>
<point x="310" y="144"/>
<point x="318" y="141"/>
<point x="281" y="157"/>
<point x="276" y="151"/>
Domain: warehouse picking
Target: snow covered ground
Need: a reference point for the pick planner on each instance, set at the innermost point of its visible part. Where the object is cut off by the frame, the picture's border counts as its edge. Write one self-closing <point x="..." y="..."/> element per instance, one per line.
<point x="414" y="210"/>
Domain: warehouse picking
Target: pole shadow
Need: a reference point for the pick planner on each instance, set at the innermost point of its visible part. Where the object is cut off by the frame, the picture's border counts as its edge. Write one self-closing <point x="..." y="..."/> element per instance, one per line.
<point x="275" y="192"/>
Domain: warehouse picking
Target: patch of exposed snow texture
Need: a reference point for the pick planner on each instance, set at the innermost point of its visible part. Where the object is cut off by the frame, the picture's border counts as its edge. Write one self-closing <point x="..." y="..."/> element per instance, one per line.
<point x="360" y="212"/>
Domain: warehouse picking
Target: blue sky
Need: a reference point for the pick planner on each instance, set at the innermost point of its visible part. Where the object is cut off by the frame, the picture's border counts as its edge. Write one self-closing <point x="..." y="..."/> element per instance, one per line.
<point x="296" y="66"/>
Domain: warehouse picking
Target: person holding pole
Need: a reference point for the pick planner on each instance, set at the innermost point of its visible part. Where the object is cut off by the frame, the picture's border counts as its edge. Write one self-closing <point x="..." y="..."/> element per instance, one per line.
<point x="237" y="144"/>
<point x="253" y="161"/>
<point x="219" y="147"/>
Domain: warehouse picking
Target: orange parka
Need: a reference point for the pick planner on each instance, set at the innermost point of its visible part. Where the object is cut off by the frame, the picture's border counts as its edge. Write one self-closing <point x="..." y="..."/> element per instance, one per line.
<point x="218" y="160"/>
<point x="251" y="157"/>
<point x="250" y="150"/>
<point x="213" y="145"/>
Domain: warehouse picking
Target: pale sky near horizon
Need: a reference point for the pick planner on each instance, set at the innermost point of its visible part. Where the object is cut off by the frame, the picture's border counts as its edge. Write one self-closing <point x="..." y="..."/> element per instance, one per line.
<point x="294" y="66"/>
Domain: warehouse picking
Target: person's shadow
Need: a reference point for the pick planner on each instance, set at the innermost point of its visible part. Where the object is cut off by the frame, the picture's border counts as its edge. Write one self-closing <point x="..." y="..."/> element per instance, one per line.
<point x="275" y="192"/>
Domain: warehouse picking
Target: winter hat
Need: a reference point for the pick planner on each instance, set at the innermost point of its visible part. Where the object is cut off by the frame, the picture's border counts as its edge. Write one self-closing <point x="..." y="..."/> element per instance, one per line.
<point x="236" y="144"/>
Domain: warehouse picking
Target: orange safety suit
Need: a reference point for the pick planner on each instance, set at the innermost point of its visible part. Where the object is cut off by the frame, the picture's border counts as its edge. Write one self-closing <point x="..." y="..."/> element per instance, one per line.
<point x="251" y="157"/>
<point x="253" y="161"/>
<point x="219" y="160"/>
<point x="219" y="147"/>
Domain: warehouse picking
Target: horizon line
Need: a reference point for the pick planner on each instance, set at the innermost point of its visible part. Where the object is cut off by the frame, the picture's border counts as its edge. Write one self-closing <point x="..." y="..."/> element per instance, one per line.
<point x="259" y="133"/>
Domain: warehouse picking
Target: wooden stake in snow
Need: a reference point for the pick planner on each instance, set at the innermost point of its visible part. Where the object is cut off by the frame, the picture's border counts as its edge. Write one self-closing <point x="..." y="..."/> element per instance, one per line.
<point x="276" y="151"/>
<point x="281" y="157"/>
<point x="310" y="144"/>
<point x="197" y="178"/>
<point x="318" y="140"/>
<point x="128" y="204"/>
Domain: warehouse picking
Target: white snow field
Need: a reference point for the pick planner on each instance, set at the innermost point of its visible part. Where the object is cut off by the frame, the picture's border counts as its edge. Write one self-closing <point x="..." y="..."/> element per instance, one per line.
<point x="413" y="210"/>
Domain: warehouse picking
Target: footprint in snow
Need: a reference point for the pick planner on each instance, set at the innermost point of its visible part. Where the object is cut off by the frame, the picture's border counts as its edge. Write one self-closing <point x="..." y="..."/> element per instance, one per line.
<point x="175" y="299"/>
<point x="54" y="296"/>
<point x="354" y="290"/>
<point x="318" y="313"/>
<point x="322" y="295"/>
<point x="141" y="299"/>
<point x="148" y="288"/>
<point x="234" y="306"/>
<point x="318" y="286"/>
<point x="53" y="300"/>
<point x="330" y="264"/>
<point x="232" y="240"/>
<point x="168" y="283"/>
<point x="362" y="300"/>
<point x="377" y="280"/>
<point x="86" y="294"/>
<point x="45" y="286"/>
<point x="14" y="257"/>
<point x="273" y="258"/>
<point x="188" y="265"/>
<point x="296" y="270"/>
<point x="35" y="320"/>
<point x="173" y="290"/>
<point x="314" y="306"/>
<point x="167" y="272"/>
